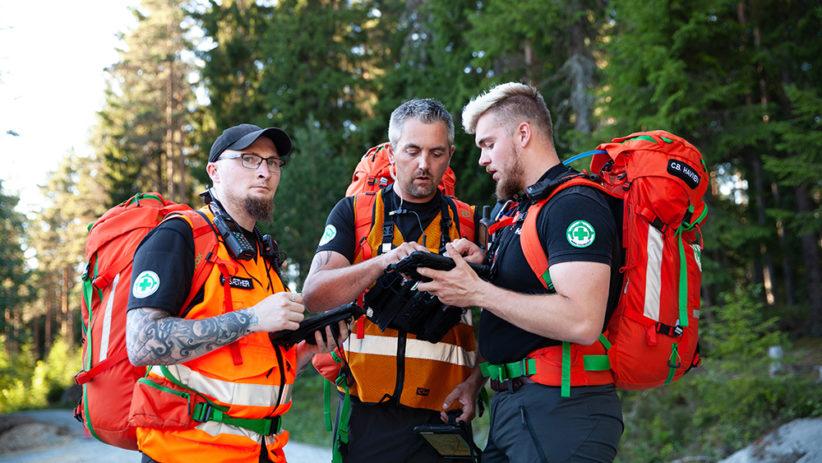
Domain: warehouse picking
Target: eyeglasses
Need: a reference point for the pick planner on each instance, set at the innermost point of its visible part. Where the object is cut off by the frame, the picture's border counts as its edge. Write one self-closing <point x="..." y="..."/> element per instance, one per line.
<point x="253" y="161"/>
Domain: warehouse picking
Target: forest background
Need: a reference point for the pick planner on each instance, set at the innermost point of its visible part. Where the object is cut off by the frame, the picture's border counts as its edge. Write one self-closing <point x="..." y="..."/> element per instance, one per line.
<point x="739" y="79"/>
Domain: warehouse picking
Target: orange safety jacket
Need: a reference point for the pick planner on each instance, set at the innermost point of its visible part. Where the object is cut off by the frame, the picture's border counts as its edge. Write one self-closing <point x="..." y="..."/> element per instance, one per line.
<point x="387" y="365"/>
<point x="204" y="410"/>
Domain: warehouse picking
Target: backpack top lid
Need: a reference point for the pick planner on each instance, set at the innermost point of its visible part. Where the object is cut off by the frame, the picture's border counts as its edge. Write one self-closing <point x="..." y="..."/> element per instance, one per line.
<point x="141" y="211"/>
<point x="374" y="172"/>
<point x="657" y="153"/>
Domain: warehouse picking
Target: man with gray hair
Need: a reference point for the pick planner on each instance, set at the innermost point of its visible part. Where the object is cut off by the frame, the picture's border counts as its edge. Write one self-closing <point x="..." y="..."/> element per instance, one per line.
<point x="550" y="404"/>
<point x="398" y="380"/>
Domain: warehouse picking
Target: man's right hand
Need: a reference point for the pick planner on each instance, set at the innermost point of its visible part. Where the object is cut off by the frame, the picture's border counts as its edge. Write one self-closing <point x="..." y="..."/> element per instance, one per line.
<point x="399" y="253"/>
<point x="278" y="312"/>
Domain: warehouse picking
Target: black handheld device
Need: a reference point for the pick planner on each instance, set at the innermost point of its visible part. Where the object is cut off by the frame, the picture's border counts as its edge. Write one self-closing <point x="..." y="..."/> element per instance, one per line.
<point x="317" y="323"/>
<point x="409" y="265"/>
<point x="453" y="441"/>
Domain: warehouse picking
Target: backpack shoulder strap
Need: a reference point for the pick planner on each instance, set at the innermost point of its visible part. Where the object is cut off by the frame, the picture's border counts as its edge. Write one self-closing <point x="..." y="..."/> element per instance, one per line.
<point x="205" y="247"/>
<point x="532" y="247"/>
<point x="464" y="213"/>
<point x="364" y="220"/>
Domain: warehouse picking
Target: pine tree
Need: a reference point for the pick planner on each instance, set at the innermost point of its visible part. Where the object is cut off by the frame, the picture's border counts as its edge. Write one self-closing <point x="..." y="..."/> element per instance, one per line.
<point x="230" y="76"/>
<point x="14" y="275"/>
<point x="58" y="236"/>
<point x="141" y="135"/>
<point x="316" y="164"/>
<point x="551" y="45"/>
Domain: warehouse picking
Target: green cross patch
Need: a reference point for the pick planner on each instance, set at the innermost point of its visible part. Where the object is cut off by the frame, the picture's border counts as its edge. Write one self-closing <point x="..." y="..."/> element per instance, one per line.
<point x="328" y="234"/>
<point x="580" y="234"/>
<point x="146" y="284"/>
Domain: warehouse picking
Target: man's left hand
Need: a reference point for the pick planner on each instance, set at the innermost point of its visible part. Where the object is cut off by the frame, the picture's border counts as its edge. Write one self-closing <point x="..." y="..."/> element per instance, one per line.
<point x="466" y="394"/>
<point x="322" y="346"/>
<point x="457" y="287"/>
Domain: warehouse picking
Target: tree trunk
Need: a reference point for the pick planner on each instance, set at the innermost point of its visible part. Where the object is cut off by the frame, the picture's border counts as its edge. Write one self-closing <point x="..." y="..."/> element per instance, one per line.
<point x="761" y="220"/>
<point x="68" y="331"/>
<point x="171" y="165"/>
<point x="580" y="70"/>
<point x="813" y="274"/>
<point x="48" y="335"/>
<point x="11" y="341"/>
<point x="787" y="270"/>
<point x="36" y="334"/>
<point x="528" y="57"/>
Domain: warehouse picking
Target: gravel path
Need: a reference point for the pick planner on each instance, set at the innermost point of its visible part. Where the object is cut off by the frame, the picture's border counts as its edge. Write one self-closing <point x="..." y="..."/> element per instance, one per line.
<point x="62" y="440"/>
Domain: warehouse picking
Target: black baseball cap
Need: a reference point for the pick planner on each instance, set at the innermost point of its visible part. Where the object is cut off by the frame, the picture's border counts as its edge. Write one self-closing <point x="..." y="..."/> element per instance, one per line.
<point x="242" y="136"/>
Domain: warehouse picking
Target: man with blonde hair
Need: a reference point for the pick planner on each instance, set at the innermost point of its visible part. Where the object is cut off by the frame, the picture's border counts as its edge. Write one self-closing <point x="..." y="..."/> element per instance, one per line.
<point x="528" y="319"/>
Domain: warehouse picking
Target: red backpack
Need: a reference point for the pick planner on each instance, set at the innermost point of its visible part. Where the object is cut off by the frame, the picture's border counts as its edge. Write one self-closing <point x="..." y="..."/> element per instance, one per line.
<point x="651" y="338"/>
<point x="108" y="377"/>
<point x="374" y="172"/>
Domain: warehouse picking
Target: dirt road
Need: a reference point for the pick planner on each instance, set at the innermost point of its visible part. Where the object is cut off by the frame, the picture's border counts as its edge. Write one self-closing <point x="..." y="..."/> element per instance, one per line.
<point x="53" y="436"/>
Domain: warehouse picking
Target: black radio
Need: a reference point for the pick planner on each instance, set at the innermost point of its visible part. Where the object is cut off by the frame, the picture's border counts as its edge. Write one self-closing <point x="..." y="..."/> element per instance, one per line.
<point x="235" y="241"/>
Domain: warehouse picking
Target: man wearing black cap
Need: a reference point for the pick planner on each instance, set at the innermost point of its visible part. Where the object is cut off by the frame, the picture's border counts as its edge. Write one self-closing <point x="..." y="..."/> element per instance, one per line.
<point x="215" y="351"/>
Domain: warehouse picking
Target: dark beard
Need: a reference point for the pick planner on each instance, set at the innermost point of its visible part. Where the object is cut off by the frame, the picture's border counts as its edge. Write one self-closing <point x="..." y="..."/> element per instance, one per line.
<point x="260" y="210"/>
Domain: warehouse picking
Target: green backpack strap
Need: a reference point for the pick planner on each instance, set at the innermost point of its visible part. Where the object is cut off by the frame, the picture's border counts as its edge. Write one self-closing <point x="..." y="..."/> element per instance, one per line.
<point x="341" y="435"/>
<point x="210" y="411"/>
<point x="327" y="394"/>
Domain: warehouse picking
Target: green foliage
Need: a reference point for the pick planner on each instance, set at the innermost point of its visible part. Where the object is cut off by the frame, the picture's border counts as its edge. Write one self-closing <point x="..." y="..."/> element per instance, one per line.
<point x="13" y="271"/>
<point x="29" y="383"/>
<point x="305" y="420"/>
<point x="314" y="180"/>
<point x="551" y="45"/>
<point x="231" y="72"/>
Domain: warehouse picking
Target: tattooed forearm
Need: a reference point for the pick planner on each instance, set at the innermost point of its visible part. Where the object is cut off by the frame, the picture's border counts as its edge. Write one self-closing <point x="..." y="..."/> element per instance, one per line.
<point x="153" y="337"/>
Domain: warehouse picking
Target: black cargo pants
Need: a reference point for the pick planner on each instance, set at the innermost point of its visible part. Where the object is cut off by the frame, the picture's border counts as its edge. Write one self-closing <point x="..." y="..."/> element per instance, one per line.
<point x="534" y="424"/>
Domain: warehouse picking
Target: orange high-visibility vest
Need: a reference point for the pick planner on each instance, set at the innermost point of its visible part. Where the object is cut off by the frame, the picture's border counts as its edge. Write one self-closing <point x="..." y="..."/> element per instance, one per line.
<point x="425" y="373"/>
<point x="249" y="378"/>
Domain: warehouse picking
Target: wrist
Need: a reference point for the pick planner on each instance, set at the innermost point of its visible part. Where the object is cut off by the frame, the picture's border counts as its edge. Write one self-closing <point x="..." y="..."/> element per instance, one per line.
<point x="253" y="319"/>
<point x="482" y="295"/>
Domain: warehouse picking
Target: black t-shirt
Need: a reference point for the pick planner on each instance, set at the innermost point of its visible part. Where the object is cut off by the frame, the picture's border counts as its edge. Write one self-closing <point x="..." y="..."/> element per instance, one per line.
<point x="576" y="225"/>
<point x="338" y="235"/>
<point x="164" y="267"/>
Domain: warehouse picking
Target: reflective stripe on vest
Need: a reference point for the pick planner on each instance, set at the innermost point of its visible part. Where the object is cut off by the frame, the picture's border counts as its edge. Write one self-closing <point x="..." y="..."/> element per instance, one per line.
<point x="250" y="395"/>
<point x="215" y="429"/>
<point x="414" y="348"/>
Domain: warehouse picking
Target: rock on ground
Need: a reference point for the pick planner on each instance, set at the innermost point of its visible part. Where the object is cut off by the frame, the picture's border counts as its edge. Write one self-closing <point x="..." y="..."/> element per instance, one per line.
<point x="799" y="441"/>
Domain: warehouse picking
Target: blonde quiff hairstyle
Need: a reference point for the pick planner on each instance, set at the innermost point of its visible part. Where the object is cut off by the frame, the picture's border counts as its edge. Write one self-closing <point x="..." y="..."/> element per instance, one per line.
<point x="511" y="103"/>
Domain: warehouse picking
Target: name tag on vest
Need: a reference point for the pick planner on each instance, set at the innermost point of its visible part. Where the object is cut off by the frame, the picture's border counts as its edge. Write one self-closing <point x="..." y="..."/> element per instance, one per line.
<point x="238" y="282"/>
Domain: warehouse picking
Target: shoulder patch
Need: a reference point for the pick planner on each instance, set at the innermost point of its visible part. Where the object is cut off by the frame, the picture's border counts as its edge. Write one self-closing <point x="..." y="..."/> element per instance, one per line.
<point x="328" y="235"/>
<point x="580" y="234"/>
<point x="146" y="284"/>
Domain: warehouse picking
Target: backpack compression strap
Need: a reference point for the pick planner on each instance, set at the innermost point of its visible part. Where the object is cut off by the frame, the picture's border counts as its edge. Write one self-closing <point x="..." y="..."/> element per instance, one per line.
<point x="205" y="247"/>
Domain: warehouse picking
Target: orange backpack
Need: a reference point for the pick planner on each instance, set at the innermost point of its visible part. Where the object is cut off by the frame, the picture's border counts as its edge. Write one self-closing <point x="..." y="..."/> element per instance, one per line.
<point x="108" y="377"/>
<point x="374" y="172"/>
<point x="651" y="338"/>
